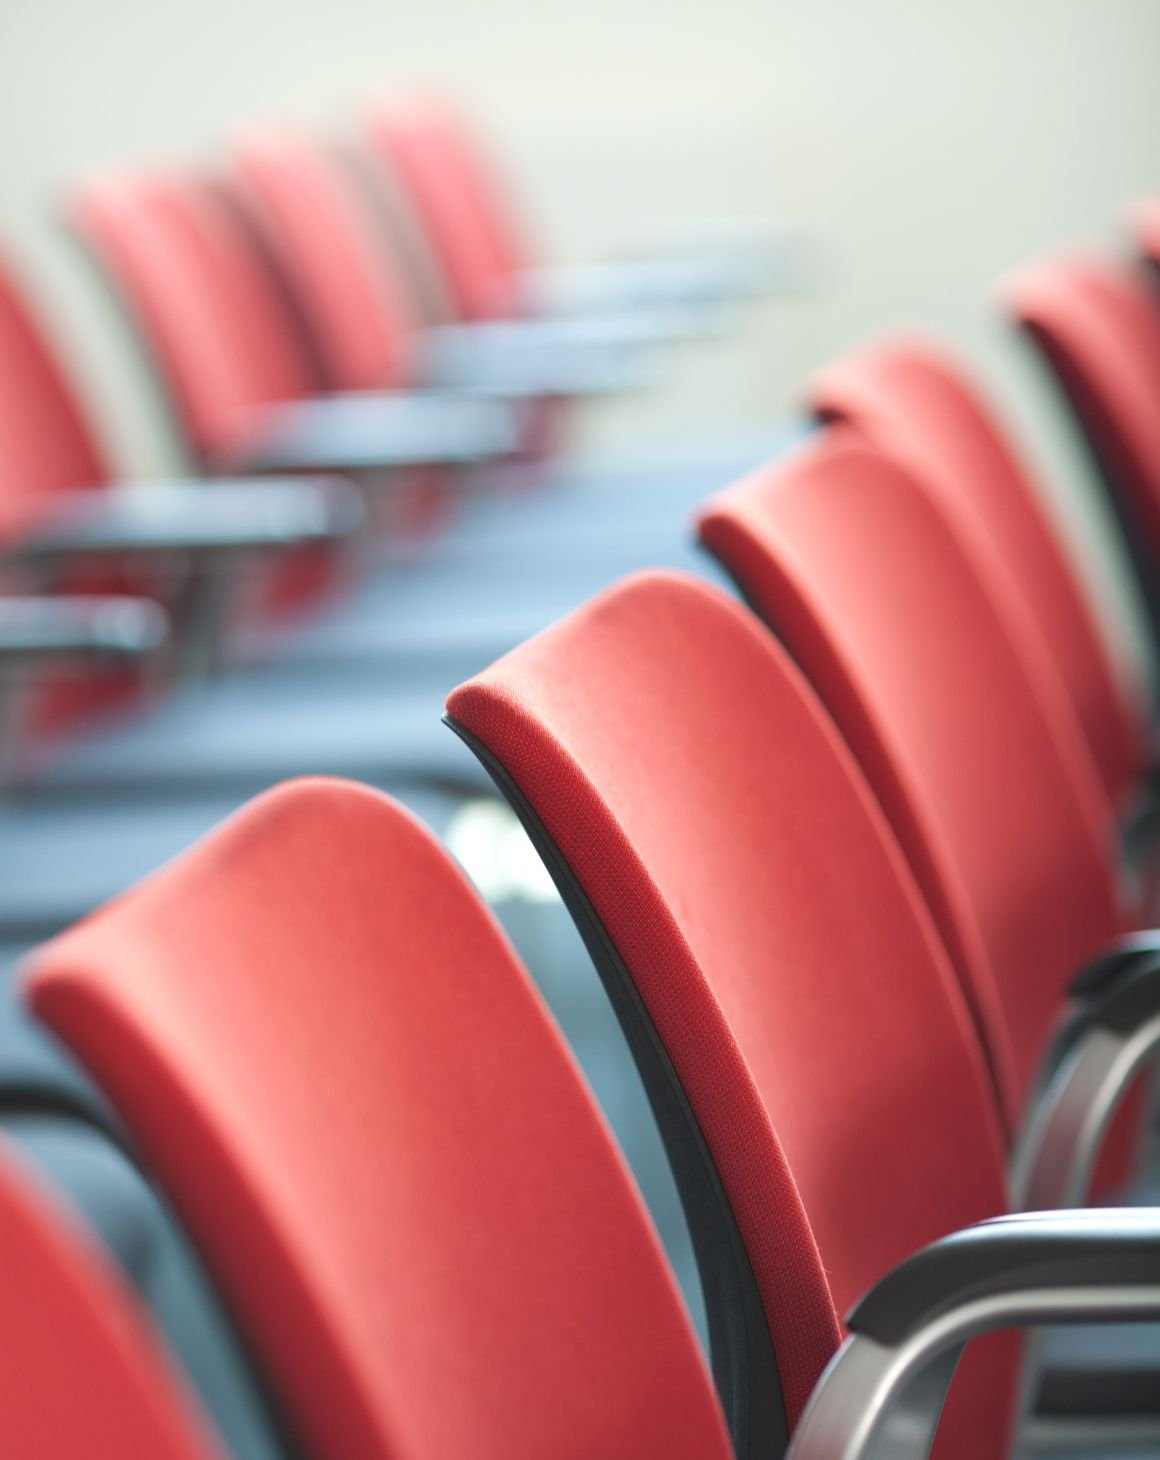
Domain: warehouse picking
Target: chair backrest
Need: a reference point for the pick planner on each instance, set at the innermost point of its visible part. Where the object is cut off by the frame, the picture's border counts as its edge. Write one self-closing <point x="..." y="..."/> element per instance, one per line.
<point x="724" y="857"/>
<point x="221" y="334"/>
<point x="321" y="235"/>
<point x="966" y="738"/>
<point x="358" y="1104"/>
<point x="456" y="192"/>
<point x="1097" y="325"/>
<point x="47" y="443"/>
<point x="907" y="398"/>
<point x="82" y="1374"/>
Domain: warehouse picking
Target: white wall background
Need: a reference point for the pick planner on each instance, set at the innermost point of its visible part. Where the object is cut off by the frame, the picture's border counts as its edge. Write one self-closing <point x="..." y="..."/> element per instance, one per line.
<point x="928" y="144"/>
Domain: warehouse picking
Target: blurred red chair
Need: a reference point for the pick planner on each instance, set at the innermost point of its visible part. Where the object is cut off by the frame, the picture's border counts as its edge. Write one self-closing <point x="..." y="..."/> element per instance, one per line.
<point x="82" y="1375"/>
<point x="64" y="534"/>
<point x="908" y="399"/>
<point x="1097" y="327"/>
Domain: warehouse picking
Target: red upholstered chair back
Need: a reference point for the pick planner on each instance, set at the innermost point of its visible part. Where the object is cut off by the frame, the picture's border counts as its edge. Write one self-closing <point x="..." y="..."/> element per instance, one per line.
<point x="458" y="196"/>
<point x="909" y="399"/>
<point x="82" y="1375"/>
<point x="1097" y="325"/>
<point x="724" y="856"/>
<point x="318" y="229"/>
<point x="964" y="735"/>
<point x="222" y="336"/>
<point x="355" y="1098"/>
<point x="47" y="443"/>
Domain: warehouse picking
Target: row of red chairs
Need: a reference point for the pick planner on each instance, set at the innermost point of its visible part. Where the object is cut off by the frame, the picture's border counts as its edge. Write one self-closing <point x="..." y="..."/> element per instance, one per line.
<point x="296" y="332"/>
<point x="855" y="890"/>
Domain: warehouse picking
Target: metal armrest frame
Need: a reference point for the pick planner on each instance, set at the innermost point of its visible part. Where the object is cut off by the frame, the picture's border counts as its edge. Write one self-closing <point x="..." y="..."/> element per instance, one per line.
<point x="882" y="1394"/>
<point x="373" y="432"/>
<point x="580" y="356"/>
<point x="1116" y="1030"/>
<point x="95" y="633"/>
<point x="194" y="532"/>
<point x="38" y="631"/>
<point x="207" y="519"/>
<point x="1098" y="976"/>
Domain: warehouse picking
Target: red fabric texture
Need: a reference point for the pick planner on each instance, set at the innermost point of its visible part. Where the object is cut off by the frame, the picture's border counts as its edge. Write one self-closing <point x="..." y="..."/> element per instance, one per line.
<point x="326" y="1049"/>
<point x="735" y="856"/>
<point x="460" y="200"/>
<point x="970" y="746"/>
<point x="82" y="1374"/>
<point x="1098" y="325"/>
<point x="910" y="400"/>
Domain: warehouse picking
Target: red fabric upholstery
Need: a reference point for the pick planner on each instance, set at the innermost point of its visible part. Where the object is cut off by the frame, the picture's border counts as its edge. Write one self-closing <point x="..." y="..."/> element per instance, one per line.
<point x="327" y="1051"/>
<point x="909" y="399"/>
<point x="1098" y="326"/>
<point x="81" y="1375"/>
<point x="732" y="851"/>
<point x="459" y="199"/>
<point x="317" y="228"/>
<point x="970" y="746"/>
<point x="208" y="309"/>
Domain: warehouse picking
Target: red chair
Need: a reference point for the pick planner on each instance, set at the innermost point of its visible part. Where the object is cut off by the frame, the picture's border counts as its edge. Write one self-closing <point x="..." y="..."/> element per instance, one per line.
<point x="907" y="398"/>
<point x="349" y="285"/>
<point x="325" y="1049"/>
<point x="239" y="368"/>
<point x="352" y="287"/>
<point x="749" y="909"/>
<point x="398" y="1180"/>
<point x="955" y="716"/>
<point x="47" y="446"/>
<point x="62" y="533"/>
<point x="1097" y="327"/>
<point x="318" y="229"/>
<point x="486" y="255"/>
<point x="469" y="217"/>
<point x="81" y="1374"/>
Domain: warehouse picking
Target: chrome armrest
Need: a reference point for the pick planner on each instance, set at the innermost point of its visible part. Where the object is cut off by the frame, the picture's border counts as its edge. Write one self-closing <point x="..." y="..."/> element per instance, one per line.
<point x="882" y="1393"/>
<point x="697" y="293"/>
<point x="540" y="357"/>
<point x="369" y="432"/>
<point x="200" y="517"/>
<point x="38" y="631"/>
<point x="1117" y="1028"/>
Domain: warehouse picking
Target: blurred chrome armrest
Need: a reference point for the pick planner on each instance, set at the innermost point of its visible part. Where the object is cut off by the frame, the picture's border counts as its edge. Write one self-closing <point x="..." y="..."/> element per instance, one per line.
<point x="688" y="295"/>
<point x="1115" y="1031"/>
<point x="206" y="517"/>
<point x="379" y="432"/>
<point x="602" y="355"/>
<point x="37" y="631"/>
<point x="882" y="1393"/>
<point x="726" y="260"/>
